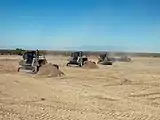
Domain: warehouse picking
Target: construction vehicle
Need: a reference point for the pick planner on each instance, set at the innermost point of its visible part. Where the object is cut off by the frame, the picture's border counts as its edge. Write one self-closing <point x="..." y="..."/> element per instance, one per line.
<point x="31" y="61"/>
<point x="77" y="58"/>
<point x="105" y="60"/>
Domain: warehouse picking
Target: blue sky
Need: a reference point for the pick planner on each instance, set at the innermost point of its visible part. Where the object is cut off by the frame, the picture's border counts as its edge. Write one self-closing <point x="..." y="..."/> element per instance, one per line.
<point x="125" y="25"/>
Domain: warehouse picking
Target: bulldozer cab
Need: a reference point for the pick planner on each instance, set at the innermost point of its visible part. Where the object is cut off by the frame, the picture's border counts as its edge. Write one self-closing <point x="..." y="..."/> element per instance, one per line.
<point x="29" y="56"/>
<point x="103" y="57"/>
<point x="75" y="56"/>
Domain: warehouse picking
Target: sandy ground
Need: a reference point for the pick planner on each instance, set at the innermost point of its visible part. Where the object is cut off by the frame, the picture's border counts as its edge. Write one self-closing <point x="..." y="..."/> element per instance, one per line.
<point x="123" y="91"/>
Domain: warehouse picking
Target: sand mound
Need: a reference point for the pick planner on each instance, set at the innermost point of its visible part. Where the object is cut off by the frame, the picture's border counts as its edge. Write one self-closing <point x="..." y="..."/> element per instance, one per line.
<point x="49" y="70"/>
<point x="90" y="65"/>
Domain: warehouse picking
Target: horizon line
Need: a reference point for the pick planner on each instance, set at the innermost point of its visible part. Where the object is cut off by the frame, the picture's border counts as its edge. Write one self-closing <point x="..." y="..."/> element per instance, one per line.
<point x="63" y="50"/>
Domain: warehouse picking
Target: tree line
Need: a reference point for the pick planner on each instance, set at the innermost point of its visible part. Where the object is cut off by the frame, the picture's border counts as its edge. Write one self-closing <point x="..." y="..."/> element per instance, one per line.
<point x="17" y="51"/>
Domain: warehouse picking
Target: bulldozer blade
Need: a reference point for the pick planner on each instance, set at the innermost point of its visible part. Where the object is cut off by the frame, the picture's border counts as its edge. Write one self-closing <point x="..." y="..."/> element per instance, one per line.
<point x="21" y="70"/>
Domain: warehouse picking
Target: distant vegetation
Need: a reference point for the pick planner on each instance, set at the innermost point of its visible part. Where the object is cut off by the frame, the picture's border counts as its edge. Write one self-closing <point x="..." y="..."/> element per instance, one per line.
<point x="19" y="51"/>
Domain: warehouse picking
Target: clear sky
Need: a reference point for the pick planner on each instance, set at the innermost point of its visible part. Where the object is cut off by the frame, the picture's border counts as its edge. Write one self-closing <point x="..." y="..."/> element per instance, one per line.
<point x="128" y="25"/>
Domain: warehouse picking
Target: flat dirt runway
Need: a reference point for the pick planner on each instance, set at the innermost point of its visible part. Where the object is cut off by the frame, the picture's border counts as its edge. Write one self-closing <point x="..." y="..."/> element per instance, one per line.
<point x="123" y="91"/>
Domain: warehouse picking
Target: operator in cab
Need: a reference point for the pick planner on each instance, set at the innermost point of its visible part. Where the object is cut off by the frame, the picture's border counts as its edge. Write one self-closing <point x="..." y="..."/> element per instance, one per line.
<point x="37" y="53"/>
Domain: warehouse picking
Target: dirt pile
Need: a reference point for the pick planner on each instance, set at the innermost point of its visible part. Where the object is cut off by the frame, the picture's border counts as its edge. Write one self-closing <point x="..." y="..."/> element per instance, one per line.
<point x="50" y="70"/>
<point x="90" y="65"/>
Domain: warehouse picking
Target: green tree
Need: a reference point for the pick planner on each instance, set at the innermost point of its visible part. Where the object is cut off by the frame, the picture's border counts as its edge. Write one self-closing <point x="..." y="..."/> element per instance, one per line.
<point x="19" y="51"/>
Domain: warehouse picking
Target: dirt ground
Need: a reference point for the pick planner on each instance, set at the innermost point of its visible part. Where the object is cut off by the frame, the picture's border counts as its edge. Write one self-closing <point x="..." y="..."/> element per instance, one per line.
<point x="123" y="91"/>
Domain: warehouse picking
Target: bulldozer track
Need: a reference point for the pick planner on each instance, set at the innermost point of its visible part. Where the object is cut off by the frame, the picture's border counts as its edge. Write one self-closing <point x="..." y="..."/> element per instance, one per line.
<point x="45" y="111"/>
<point x="42" y="111"/>
<point x="154" y="98"/>
<point x="130" y="116"/>
<point x="150" y="97"/>
<point x="9" y="113"/>
<point x="48" y="112"/>
<point x="145" y="95"/>
<point x="5" y="113"/>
